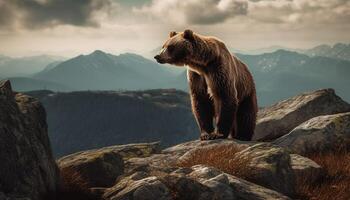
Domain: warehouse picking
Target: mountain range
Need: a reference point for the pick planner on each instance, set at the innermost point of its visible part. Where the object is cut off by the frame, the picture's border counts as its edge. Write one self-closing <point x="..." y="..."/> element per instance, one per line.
<point x="337" y="51"/>
<point x="281" y="74"/>
<point x="259" y="51"/>
<point x="278" y="74"/>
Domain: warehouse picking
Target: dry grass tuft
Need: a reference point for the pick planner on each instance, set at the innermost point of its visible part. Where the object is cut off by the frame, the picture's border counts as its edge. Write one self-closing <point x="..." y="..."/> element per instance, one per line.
<point x="221" y="157"/>
<point x="334" y="183"/>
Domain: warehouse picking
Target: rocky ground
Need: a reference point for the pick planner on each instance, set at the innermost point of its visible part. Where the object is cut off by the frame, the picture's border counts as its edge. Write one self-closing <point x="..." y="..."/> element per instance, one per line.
<point x="267" y="168"/>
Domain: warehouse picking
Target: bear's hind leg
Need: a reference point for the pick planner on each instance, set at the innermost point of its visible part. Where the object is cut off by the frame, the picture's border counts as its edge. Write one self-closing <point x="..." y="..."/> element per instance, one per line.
<point x="246" y="119"/>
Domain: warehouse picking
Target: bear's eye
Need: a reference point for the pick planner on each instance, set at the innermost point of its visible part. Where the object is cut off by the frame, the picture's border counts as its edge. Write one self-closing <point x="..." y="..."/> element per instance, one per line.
<point x="171" y="48"/>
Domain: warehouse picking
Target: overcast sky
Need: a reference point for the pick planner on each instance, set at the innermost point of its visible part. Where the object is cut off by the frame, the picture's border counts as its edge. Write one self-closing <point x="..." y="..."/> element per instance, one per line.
<point x="71" y="27"/>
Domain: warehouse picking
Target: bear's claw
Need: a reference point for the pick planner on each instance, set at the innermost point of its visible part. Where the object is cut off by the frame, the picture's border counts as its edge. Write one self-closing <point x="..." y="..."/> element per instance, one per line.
<point x="215" y="136"/>
<point x="205" y="136"/>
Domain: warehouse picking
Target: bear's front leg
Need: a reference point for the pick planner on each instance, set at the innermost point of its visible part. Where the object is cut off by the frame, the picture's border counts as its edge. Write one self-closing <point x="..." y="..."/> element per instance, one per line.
<point x="202" y="105"/>
<point x="226" y="118"/>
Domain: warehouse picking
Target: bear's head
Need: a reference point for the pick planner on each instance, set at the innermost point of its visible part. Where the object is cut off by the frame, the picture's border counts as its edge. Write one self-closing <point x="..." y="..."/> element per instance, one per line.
<point x="177" y="49"/>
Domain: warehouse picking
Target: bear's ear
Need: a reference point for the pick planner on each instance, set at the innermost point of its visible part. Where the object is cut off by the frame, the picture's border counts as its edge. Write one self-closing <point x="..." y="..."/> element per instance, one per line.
<point x="172" y="34"/>
<point x="188" y="34"/>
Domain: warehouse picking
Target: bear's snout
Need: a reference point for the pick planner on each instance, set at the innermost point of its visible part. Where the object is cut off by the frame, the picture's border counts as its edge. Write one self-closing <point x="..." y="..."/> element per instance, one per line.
<point x="159" y="59"/>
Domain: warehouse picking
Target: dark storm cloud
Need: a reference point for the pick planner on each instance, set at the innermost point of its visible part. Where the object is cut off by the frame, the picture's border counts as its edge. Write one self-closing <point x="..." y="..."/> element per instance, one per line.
<point x="196" y="11"/>
<point x="33" y="14"/>
<point x="5" y="15"/>
<point x="215" y="13"/>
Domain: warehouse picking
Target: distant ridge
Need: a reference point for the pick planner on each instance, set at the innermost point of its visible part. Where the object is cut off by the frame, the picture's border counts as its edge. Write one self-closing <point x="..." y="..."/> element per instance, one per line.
<point x="337" y="51"/>
<point x="102" y="118"/>
<point x="284" y="73"/>
<point x="100" y="70"/>
<point x="22" y="84"/>
<point x="25" y="66"/>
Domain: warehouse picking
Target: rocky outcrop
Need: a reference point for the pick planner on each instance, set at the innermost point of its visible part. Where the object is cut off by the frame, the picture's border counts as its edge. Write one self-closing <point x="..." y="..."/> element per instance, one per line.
<point x="196" y="183"/>
<point x="27" y="169"/>
<point x="319" y="134"/>
<point x="269" y="165"/>
<point x="157" y="175"/>
<point x="281" y="118"/>
<point x="101" y="167"/>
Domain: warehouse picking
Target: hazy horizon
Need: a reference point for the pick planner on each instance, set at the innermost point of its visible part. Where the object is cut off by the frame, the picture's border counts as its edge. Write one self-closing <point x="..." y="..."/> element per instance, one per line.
<point x="69" y="28"/>
<point x="67" y="55"/>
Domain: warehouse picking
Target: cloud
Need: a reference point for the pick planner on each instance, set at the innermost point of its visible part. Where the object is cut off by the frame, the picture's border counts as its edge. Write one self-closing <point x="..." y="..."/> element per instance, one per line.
<point x="195" y="11"/>
<point x="300" y="11"/>
<point x="33" y="14"/>
<point x="38" y="14"/>
<point x="199" y="12"/>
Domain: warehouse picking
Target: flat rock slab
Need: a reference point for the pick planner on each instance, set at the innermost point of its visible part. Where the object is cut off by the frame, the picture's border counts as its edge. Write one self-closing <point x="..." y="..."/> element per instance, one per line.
<point x="97" y="168"/>
<point x="279" y="119"/>
<point x="101" y="167"/>
<point x="319" y="134"/>
<point x="149" y="188"/>
<point x="183" y="148"/>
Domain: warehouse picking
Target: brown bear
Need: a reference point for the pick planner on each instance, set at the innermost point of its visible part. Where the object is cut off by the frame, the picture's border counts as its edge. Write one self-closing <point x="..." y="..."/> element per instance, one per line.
<point x="221" y="87"/>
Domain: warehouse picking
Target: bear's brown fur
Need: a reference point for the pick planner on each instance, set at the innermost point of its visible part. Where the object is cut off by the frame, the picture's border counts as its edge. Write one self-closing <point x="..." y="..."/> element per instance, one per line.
<point x="221" y="87"/>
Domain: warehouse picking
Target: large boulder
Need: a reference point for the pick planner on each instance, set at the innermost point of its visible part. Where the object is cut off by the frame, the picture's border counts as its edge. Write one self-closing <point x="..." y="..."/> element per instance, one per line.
<point x="98" y="168"/>
<point x="271" y="167"/>
<point x="127" y="151"/>
<point x="319" y="134"/>
<point x="226" y="186"/>
<point x="279" y="119"/>
<point x="149" y="188"/>
<point x="305" y="168"/>
<point x="27" y="169"/>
